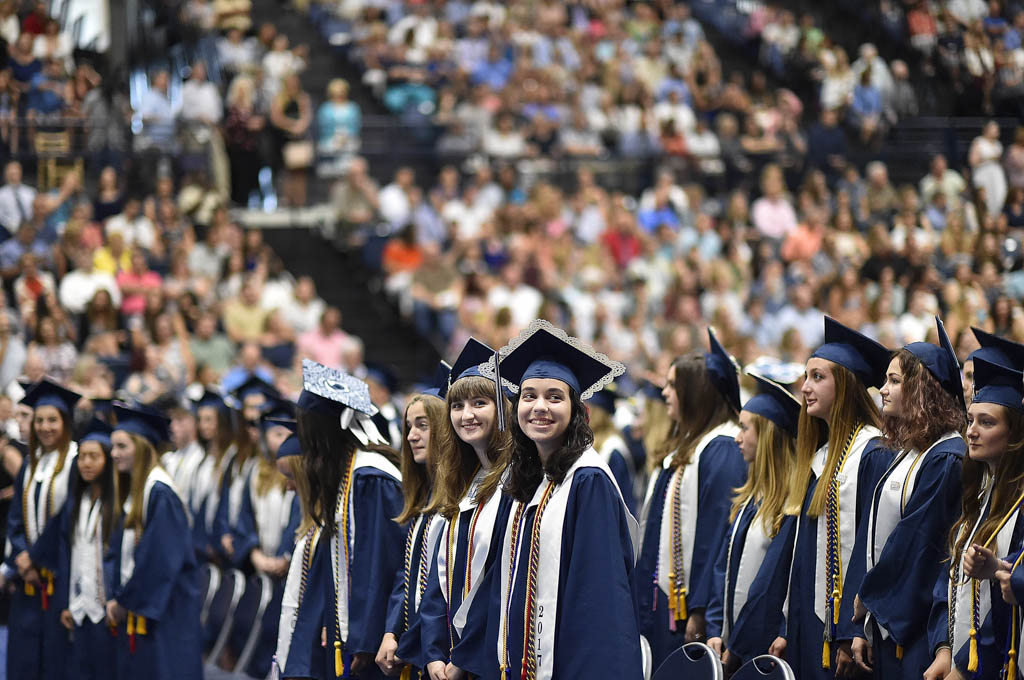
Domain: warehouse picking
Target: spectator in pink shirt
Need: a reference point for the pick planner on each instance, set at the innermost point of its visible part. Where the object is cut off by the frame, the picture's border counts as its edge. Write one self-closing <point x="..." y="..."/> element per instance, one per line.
<point x="324" y="343"/>
<point x="135" y="282"/>
<point x="773" y="214"/>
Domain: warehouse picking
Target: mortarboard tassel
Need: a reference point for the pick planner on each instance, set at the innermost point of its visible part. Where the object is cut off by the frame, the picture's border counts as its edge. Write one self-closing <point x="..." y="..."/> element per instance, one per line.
<point x="406" y="673"/>
<point x="140" y="625"/>
<point x="826" y="655"/>
<point x="899" y="652"/>
<point x="835" y="606"/>
<point x="30" y="589"/>
<point x="130" y="625"/>
<point x="339" y="662"/>
<point x="972" y="658"/>
<point x="672" y="602"/>
<point x="498" y="401"/>
<point x="681" y="606"/>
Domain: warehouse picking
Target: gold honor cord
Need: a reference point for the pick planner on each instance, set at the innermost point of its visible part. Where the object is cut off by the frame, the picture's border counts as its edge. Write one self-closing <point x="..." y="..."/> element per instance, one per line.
<point x="343" y="538"/>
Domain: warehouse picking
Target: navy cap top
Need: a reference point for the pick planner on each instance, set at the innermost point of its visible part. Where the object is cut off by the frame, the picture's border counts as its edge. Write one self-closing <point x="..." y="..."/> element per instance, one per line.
<point x="605" y="399"/>
<point x="544" y="351"/>
<point x="48" y="393"/>
<point x="289" y="423"/>
<point x="997" y="350"/>
<point x="468" y="362"/>
<point x="210" y="399"/>
<point x="995" y="384"/>
<point x="383" y="375"/>
<point x="776" y="403"/>
<point x="855" y="351"/>
<point x="330" y="391"/>
<point x="97" y="431"/>
<point x="722" y="370"/>
<point x="146" y="423"/>
<point x="439" y="385"/>
<point x="254" y="384"/>
<point x="941" y="362"/>
<point x="276" y="409"/>
<point x="289" y="447"/>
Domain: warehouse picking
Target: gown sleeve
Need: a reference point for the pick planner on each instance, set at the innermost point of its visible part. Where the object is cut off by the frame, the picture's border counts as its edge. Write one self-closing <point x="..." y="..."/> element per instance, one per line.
<point x="427" y="637"/>
<point x="721" y="469"/>
<point x="221" y="526"/>
<point x="16" y="520"/>
<point x="714" y="615"/>
<point x="378" y="549"/>
<point x="162" y="551"/>
<point x="620" y="470"/>
<point x="396" y="604"/>
<point x="244" y="534"/>
<point x="287" y="545"/>
<point x="476" y="651"/>
<point x="596" y="597"/>
<point x="305" y="655"/>
<point x="898" y="591"/>
<point x="873" y="464"/>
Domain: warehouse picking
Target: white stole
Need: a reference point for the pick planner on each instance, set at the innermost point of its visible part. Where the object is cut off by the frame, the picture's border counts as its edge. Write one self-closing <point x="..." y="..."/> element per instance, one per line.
<point x="848" y="479"/>
<point x="86" y="598"/>
<point x="129" y="538"/>
<point x="290" y="600"/>
<point x="46" y="477"/>
<point x="752" y="553"/>
<point x="548" y="568"/>
<point x="272" y="511"/>
<point x="434" y="532"/>
<point x="236" y="490"/>
<point x="210" y="476"/>
<point x="688" y="497"/>
<point x="363" y="459"/>
<point x="183" y="466"/>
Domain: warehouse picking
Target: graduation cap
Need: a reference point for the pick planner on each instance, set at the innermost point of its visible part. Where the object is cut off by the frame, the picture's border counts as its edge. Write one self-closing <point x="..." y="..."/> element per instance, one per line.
<point x="144" y="422"/>
<point x="439" y="386"/>
<point x="48" y="393"/>
<point x="997" y="350"/>
<point x="289" y="423"/>
<point x="254" y="384"/>
<point x="941" y="362"/>
<point x="468" y="362"/>
<point x="276" y="409"/>
<point x="102" y="408"/>
<point x="210" y="399"/>
<point x="995" y="384"/>
<point x="774" y="402"/>
<point x="605" y="399"/>
<point x="544" y="351"/>
<point x="382" y="375"/>
<point x="722" y="370"/>
<point x="289" y="447"/>
<point x="652" y="391"/>
<point x="855" y="351"/>
<point x="97" y="431"/>
<point x="332" y="392"/>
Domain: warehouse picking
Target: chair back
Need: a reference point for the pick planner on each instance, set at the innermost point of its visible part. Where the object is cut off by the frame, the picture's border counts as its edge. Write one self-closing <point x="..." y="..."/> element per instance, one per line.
<point x="210" y="576"/>
<point x="765" y="667"/>
<point x="692" y="661"/>
<point x="222" y="613"/>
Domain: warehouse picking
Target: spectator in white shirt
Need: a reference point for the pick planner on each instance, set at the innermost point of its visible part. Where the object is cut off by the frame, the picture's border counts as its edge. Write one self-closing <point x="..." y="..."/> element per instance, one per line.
<point x="279" y="63"/>
<point x="395" y="207"/>
<point x="200" y="100"/>
<point x="306" y="308"/>
<point x="522" y="300"/>
<point x="158" y="114"/>
<point x="235" y="52"/>
<point x="134" y="226"/>
<point x="80" y="284"/>
<point x="16" y="199"/>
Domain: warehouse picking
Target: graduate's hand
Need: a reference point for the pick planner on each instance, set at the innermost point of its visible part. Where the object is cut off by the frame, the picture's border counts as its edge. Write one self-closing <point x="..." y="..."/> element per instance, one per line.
<point x="954" y="674"/>
<point x="696" y="627"/>
<point x="437" y="670"/>
<point x="323" y="636"/>
<point x="32" y="576"/>
<point x="845" y="665"/>
<point x="361" y="661"/>
<point x="66" y="620"/>
<point x="980" y="562"/>
<point x="115" y="613"/>
<point x="778" y="648"/>
<point x="863" y="655"/>
<point x="715" y="643"/>
<point x="23" y="562"/>
<point x="453" y="672"/>
<point x="386" y="659"/>
<point x="228" y="544"/>
<point x="940" y="667"/>
<point x="859" y="610"/>
<point x="1003" y="576"/>
<point x="278" y="567"/>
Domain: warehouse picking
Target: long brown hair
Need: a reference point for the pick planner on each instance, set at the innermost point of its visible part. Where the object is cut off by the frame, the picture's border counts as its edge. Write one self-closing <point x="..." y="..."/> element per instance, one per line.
<point x="225" y="434"/>
<point x="63" y="446"/>
<point x="457" y="462"/>
<point x="768" y="480"/>
<point x="146" y="459"/>
<point x="929" y="411"/>
<point x="852" y="407"/>
<point x="108" y="488"/>
<point x="702" y="408"/>
<point x="1006" y="488"/>
<point x="417" y="480"/>
<point x="297" y="466"/>
<point x="602" y="426"/>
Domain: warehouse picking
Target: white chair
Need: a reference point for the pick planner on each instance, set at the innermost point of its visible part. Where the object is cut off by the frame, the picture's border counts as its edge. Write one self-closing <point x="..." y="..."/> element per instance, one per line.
<point x="645" y="651"/>
<point x="211" y="582"/>
<point x="233" y="584"/>
<point x="266" y="593"/>
<point x="692" y="661"/>
<point x="765" y="667"/>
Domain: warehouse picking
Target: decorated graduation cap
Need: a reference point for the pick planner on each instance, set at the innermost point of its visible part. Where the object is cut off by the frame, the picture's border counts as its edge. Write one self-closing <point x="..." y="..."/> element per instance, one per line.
<point x="544" y="351"/>
<point x="210" y="399"/>
<point x="289" y="447"/>
<point x="774" y="402"/>
<point x="151" y="425"/>
<point x="606" y="398"/>
<point x="997" y="350"/>
<point x="439" y="386"/>
<point x="48" y="393"/>
<point x="941" y="362"/>
<point x="996" y="384"/>
<point x="99" y="432"/>
<point x="722" y="370"/>
<point x="854" y="351"/>
<point x="276" y="410"/>
<point x="254" y="384"/>
<point x="332" y="392"/>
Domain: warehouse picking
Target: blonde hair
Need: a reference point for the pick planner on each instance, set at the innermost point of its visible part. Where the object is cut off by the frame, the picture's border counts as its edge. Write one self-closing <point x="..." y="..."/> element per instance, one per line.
<point x="146" y="460"/>
<point x="241" y="86"/>
<point x="338" y="87"/>
<point x="768" y="480"/>
<point x="417" y="479"/>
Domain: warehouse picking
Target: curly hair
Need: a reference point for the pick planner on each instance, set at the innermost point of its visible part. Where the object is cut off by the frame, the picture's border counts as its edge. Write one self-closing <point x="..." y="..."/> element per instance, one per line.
<point x="929" y="411"/>
<point x="525" y="469"/>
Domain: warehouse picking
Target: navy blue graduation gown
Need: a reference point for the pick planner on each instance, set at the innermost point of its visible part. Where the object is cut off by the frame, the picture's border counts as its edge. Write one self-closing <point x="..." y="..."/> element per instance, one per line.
<point x="433" y="626"/>
<point x="623" y="474"/>
<point x="38" y="645"/>
<point x="898" y="590"/>
<point x="805" y="631"/>
<point x="596" y="626"/>
<point x="376" y="556"/>
<point x="306" y="654"/>
<point x="164" y="588"/>
<point x="403" y="614"/>
<point x="720" y="469"/>
<point x="760" y="620"/>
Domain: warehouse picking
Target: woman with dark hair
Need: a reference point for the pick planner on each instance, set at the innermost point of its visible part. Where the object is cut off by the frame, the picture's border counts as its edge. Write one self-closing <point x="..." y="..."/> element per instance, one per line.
<point x="216" y="435"/>
<point x="472" y="452"/>
<point x="38" y="643"/>
<point x="988" y="528"/>
<point x="686" y="512"/>
<point x="912" y="509"/>
<point x="745" y="612"/>
<point x="155" y="603"/>
<point x="995" y="350"/>
<point x="356" y="491"/>
<point x="840" y="458"/>
<point x="424" y="419"/>
<point x="562" y="596"/>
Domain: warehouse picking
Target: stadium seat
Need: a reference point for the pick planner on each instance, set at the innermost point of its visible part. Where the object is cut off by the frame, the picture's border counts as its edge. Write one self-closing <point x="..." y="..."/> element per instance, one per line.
<point x="645" y="650"/>
<point x="765" y="667"/>
<point x="692" y="661"/>
<point x="222" y="611"/>
<point x="258" y="595"/>
<point x="210" y="584"/>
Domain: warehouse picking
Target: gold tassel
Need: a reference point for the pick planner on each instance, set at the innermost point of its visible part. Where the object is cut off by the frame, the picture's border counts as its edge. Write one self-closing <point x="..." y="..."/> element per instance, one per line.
<point x="1011" y="667"/>
<point x="835" y="607"/>
<point x="972" y="659"/>
<point x="49" y="584"/>
<point x="131" y="623"/>
<point x="681" y="607"/>
<point x="30" y="589"/>
<point x="140" y="624"/>
<point x="826" y="655"/>
<point x="339" y="663"/>
<point x="406" y="673"/>
<point x="899" y="652"/>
